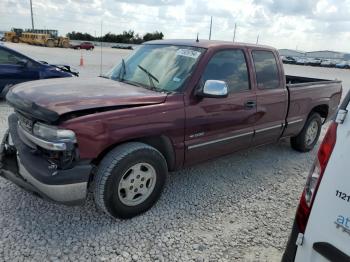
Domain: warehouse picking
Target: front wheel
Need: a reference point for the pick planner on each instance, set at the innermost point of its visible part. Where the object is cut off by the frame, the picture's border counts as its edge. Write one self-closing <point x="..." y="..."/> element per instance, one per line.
<point x="15" y="39"/>
<point x="308" y="137"/>
<point x="129" y="180"/>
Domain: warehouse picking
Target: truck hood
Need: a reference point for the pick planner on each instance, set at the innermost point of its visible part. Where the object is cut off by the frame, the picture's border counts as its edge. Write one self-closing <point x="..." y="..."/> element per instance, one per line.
<point x="49" y="99"/>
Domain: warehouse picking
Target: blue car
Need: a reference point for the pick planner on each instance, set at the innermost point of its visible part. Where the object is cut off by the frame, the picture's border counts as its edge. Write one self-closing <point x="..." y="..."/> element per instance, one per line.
<point x="17" y="68"/>
<point x="343" y="64"/>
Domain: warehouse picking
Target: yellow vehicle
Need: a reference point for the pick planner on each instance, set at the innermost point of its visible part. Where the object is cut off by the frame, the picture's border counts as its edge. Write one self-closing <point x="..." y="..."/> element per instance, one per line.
<point x="13" y="35"/>
<point x="27" y="38"/>
<point x="57" y="42"/>
<point x="47" y="38"/>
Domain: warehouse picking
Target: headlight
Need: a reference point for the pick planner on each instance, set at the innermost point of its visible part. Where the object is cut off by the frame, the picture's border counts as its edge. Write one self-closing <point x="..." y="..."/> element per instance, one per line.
<point x="52" y="133"/>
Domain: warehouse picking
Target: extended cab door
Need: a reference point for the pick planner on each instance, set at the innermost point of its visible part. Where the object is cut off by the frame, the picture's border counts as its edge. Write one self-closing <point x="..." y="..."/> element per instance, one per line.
<point x="218" y="126"/>
<point x="271" y="96"/>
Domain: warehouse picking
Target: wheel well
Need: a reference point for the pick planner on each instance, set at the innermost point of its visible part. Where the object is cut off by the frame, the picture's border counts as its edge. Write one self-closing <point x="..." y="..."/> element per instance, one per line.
<point x="322" y="110"/>
<point x="162" y="143"/>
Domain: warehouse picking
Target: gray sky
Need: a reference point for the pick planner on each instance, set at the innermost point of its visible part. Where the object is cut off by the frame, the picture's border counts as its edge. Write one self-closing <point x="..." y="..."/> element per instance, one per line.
<point x="305" y="24"/>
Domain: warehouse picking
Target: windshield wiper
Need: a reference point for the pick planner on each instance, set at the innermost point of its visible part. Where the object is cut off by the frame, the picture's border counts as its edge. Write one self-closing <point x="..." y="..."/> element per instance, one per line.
<point x="150" y="77"/>
<point x="132" y="83"/>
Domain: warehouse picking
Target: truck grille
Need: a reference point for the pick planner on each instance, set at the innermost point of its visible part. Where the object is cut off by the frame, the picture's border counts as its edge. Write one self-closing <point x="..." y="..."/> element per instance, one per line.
<point x="25" y="122"/>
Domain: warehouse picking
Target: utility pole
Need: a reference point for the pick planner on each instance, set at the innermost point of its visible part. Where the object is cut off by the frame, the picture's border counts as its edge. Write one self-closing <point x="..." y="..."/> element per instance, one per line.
<point x="234" y="32"/>
<point x="257" y="39"/>
<point x="211" y="25"/>
<point x="31" y="12"/>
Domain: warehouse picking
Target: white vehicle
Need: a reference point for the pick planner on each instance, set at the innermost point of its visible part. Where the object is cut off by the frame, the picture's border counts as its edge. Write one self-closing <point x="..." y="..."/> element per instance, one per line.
<point x="328" y="63"/>
<point x="301" y="61"/>
<point x="321" y="230"/>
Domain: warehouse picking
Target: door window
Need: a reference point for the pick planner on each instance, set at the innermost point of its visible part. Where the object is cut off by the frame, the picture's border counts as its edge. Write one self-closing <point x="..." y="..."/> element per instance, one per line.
<point x="229" y="66"/>
<point x="266" y="70"/>
<point x="9" y="58"/>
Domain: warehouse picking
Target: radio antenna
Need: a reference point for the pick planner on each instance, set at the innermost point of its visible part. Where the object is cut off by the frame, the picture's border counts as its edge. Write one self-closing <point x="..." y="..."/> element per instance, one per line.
<point x="211" y="25"/>
<point x="234" y="32"/>
<point x="101" y="51"/>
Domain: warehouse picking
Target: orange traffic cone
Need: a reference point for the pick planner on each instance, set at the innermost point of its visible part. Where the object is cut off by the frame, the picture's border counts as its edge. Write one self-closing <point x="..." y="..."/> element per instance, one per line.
<point x="81" y="60"/>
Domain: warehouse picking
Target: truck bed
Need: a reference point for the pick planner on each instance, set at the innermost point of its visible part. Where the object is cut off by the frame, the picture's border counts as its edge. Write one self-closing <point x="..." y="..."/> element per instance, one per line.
<point x="304" y="94"/>
<point x="297" y="81"/>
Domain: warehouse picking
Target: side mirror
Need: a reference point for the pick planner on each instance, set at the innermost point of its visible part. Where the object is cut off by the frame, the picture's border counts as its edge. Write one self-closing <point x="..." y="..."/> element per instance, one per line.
<point x="214" y="89"/>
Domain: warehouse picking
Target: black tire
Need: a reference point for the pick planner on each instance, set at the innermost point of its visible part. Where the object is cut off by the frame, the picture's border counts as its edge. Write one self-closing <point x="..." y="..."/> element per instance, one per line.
<point x="65" y="44"/>
<point x="50" y="43"/>
<point x="299" y="142"/>
<point x="114" y="166"/>
<point x="15" y="39"/>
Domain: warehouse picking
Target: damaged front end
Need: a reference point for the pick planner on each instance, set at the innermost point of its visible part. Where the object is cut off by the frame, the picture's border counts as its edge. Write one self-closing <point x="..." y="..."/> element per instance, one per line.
<point x="44" y="160"/>
<point x="57" y="145"/>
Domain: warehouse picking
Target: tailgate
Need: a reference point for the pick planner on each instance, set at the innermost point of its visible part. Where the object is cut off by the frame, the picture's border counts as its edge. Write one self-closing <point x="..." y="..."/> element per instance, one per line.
<point x="328" y="230"/>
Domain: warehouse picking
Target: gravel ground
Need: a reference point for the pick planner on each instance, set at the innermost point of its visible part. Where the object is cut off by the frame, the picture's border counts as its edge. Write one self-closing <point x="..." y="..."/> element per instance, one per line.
<point x="239" y="207"/>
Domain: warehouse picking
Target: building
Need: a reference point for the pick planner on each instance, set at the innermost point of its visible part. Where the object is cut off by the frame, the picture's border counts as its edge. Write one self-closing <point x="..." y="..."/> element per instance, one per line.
<point x="290" y="52"/>
<point x="326" y="55"/>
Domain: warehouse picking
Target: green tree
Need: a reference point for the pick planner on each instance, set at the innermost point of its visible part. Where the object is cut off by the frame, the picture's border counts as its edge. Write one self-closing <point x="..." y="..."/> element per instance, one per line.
<point x="127" y="37"/>
<point x="153" y="36"/>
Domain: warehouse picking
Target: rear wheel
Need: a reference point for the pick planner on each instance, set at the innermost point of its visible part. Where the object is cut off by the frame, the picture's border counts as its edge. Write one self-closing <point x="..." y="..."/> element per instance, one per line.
<point x="65" y="44"/>
<point x="308" y="137"/>
<point x="50" y="43"/>
<point x="129" y="180"/>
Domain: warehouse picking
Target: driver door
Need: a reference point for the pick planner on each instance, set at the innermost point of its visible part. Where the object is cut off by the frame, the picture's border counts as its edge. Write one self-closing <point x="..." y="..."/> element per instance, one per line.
<point x="219" y="126"/>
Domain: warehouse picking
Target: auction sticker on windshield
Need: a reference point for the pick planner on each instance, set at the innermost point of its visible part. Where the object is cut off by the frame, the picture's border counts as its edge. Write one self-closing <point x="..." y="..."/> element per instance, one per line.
<point x="188" y="53"/>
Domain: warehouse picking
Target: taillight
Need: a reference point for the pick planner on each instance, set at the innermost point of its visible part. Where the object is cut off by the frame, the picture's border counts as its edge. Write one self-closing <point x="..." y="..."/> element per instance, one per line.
<point x="315" y="176"/>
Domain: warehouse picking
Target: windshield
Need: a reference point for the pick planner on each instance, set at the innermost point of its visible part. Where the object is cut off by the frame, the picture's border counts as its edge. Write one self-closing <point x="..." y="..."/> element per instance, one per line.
<point x="159" y="67"/>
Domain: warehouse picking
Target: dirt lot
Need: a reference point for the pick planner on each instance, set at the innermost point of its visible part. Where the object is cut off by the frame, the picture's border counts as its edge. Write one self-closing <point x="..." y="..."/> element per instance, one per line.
<point x="238" y="207"/>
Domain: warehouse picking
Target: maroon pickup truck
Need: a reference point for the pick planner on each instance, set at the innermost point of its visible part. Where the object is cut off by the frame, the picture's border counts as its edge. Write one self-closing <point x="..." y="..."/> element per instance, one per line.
<point x="169" y="105"/>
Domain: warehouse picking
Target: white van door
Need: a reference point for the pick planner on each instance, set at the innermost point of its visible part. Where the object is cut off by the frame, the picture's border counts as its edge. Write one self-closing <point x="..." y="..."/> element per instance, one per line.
<point x="327" y="234"/>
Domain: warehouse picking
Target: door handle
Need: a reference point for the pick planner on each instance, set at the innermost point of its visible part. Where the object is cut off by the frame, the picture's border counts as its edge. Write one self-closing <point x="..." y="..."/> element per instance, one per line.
<point x="250" y="104"/>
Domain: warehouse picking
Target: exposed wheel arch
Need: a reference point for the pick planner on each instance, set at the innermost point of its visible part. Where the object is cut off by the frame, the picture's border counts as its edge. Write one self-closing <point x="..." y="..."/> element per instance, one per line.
<point x="161" y="142"/>
<point x="323" y="110"/>
<point x="164" y="145"/>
